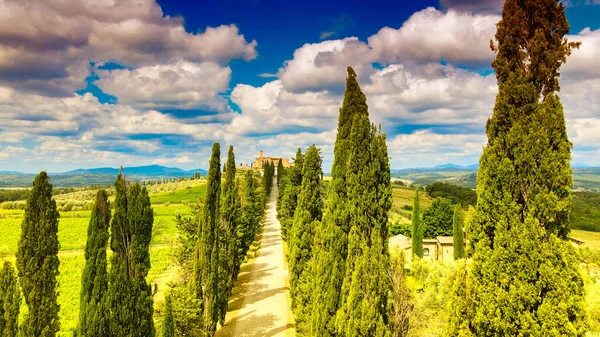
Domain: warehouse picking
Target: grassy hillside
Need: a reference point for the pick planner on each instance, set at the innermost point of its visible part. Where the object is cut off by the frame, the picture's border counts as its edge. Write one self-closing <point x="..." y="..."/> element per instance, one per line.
<point x="583" y="178"/>
<point x="168" y="200"/>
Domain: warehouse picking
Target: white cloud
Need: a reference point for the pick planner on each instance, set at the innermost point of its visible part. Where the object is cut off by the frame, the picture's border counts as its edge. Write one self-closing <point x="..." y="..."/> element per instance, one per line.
<point x="430" y="94"/>
<point x="322" y="65"/>
<point x="426" y="148"/>
<point x="46" y="46"/>
<point x="181" y="85"/>
<point x="432" y="35"/>
<point x="272" y="109"/>
<point x="584" y="62"/>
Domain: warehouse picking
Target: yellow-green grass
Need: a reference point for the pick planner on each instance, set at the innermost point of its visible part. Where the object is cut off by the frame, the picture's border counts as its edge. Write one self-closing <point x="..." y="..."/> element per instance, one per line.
<point x="590" y="239"/>
<point x="186" y="194"/>
<point x="402" y="196"/>
<point x="168" y="201"/>
<point x="69" y="283"/>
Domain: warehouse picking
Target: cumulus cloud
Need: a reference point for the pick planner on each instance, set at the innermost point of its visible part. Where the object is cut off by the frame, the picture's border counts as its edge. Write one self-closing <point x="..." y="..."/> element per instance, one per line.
<point x="182" y="85"/>
<point x="271" y="109"/>
<point x="322" y="65"/>
<point x="428" y="36"/>
<point x="46" y="46"/>
<point x="426" y="148"/>
<point x="430" y="94"/>
<point x="584" y="62"/>
<point x="433" y="35"/>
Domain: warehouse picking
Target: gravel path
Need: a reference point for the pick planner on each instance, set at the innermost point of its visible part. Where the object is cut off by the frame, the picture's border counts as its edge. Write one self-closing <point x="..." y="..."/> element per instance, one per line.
<point x="260" y="302"/>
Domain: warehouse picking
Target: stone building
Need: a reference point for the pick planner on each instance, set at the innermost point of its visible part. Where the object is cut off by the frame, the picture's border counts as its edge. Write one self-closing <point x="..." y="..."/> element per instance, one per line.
<point x="261" y="160"/>
<point x="440" y="248"/>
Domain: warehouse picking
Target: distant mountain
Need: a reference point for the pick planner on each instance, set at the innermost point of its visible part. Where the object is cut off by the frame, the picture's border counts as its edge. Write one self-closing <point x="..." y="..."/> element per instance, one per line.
<point x="12" y="173"/>
<point x="148" y="171"/>
<point x="97" y="176"/>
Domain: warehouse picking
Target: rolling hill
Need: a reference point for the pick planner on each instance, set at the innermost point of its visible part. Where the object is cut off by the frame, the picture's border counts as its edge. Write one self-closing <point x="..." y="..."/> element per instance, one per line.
<point x="97" y="176"/>
<point x="584" y="178"/>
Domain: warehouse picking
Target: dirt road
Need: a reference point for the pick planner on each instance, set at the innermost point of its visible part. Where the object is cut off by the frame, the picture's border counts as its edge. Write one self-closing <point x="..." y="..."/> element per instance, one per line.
<point x="260" y="303"/>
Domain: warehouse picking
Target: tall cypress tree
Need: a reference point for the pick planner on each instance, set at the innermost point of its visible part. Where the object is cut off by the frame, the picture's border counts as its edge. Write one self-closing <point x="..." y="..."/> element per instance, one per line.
<point x="141" y="219"/>
<point x="417" y="228"/>
<point x="364" y="298"/>
<point x="307" y="216"/>
<point x="525" y="278"/>
<point x="168" y="324"/>
<point x="289" y="199"/>
<point x="37" y="260"/>
<point x="129" y="294"/>
<point x="331" y="250"/>
<point x="229" y="241"/>
<point x="206" y="269"/>
<point x="457" y="233"/>
<point x="10" y="301"/>
<point x="93" y="316"/>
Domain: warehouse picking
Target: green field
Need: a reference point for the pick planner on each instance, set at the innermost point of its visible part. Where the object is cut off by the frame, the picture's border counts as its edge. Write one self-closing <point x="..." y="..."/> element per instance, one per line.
<point x="590" y="239"/>
<point x="168" y="200"/>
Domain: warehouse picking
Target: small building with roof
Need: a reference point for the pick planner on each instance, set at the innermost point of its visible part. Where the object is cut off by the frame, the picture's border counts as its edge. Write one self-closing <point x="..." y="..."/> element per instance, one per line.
<point x="439" y="248"/>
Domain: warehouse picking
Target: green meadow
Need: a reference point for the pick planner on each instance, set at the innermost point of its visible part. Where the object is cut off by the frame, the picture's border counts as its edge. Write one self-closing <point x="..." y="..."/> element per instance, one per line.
<point x="168" y="200"/>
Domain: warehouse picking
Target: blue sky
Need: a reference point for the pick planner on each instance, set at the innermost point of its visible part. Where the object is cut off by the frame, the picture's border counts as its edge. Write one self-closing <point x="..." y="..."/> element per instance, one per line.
<point x="105" y="83"/>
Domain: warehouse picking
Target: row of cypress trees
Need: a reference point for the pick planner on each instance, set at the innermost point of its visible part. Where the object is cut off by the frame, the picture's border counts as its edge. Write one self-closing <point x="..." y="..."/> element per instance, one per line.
<point x="117" y="301"/>
<point x="226" y="228"/>
<point x="338" y="249"/>
<point x="289" y="181"/>
<point x="113" y="303"/>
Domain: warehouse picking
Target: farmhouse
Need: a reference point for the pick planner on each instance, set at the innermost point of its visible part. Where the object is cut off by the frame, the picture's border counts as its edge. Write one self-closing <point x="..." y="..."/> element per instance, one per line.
<point x="261" y="160"/>
<point x="439" y="248"/>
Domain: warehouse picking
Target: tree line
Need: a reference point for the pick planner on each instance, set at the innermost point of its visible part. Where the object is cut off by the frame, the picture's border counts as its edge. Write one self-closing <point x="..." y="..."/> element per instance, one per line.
<point x="213" y="244"/>
<point x="115" y="299"/>
<point x="338" y="254"/>
<point x="523" y="277"/>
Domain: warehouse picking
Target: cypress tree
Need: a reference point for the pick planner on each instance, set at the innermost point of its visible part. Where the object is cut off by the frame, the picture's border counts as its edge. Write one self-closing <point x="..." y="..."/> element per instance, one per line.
<point x="129" y="294"/>
<point x="93" y="316"/>
<point x="37" y="260"/>
<point x="206" y="269"/>
<point x="457" y="231"/>
<point x="417" y="228"/>
<point x="10" y="301"/>
<point x="252" y="210"/>
<point x="364" y="301"/>
<point x="290" y="195"/>
<point x="141" y="221"/>
<point x="525" y="277"/>
<point x="331" y="238"/>
<point x="229" y="242"/>
<point x="168" y="324"/>
<point x="308" y="213"/>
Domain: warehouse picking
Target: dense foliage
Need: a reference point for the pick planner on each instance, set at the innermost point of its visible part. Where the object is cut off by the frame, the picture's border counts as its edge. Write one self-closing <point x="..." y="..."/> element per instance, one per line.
<point x="456" y="194"/>
<point x="458" y="239"/>
<point x="307" y="217"/>
<point x="206" y="269"/>
<point x="586" y="211"/>
<point x="331" y="239"/>
<point x="129" y="294"/>
<point x="168" y="324"/>
<point x="37" y="261"/>
<point x="437" y="219"/>
<point x="289" y="189"/>
<point x="10" y="301"/>
<point x="93" y="313"/>
<point x="524" y="279"/>
<point x="418" y="230"/>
